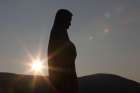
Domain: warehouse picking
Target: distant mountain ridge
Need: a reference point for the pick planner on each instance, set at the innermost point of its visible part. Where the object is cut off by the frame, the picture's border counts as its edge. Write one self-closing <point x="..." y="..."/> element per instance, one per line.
<point x="107" y="83"/>
<point x="97" y="83"/>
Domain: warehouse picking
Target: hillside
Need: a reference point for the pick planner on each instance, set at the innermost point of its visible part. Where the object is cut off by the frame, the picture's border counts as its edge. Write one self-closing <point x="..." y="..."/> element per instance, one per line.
<point x="97" y="83"/>
<point x="107" y="83"/>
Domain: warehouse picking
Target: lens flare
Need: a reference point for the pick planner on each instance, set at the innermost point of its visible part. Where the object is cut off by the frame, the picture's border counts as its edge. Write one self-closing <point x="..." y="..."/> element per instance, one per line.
<point x="37" y="66"/>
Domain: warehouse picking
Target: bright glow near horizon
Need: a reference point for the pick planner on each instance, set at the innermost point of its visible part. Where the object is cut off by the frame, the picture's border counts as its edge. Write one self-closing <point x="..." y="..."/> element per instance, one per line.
<point x="37" y="66"/>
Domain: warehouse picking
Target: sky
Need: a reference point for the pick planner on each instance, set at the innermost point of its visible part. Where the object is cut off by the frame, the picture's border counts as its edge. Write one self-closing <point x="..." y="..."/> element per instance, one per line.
<point x="105" y="33"/>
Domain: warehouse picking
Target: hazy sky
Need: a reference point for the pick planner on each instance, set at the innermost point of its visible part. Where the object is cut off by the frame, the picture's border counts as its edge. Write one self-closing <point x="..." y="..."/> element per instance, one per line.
<point x="105" y="32"/>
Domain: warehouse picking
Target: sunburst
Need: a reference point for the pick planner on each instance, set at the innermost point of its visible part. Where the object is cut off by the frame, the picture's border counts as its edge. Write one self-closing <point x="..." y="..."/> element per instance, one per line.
<point x="37" y="66"/>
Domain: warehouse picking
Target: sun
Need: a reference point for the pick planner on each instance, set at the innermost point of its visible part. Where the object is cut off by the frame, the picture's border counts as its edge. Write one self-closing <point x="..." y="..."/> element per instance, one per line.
<point x="37" y="66"/>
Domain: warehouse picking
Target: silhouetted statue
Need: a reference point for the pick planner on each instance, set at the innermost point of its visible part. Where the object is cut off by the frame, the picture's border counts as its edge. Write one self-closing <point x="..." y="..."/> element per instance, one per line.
<point x="62" y="54"/>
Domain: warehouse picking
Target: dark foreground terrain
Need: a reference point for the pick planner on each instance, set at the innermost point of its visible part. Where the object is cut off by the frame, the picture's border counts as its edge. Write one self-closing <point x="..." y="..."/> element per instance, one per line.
<point x="97" y="83"/>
